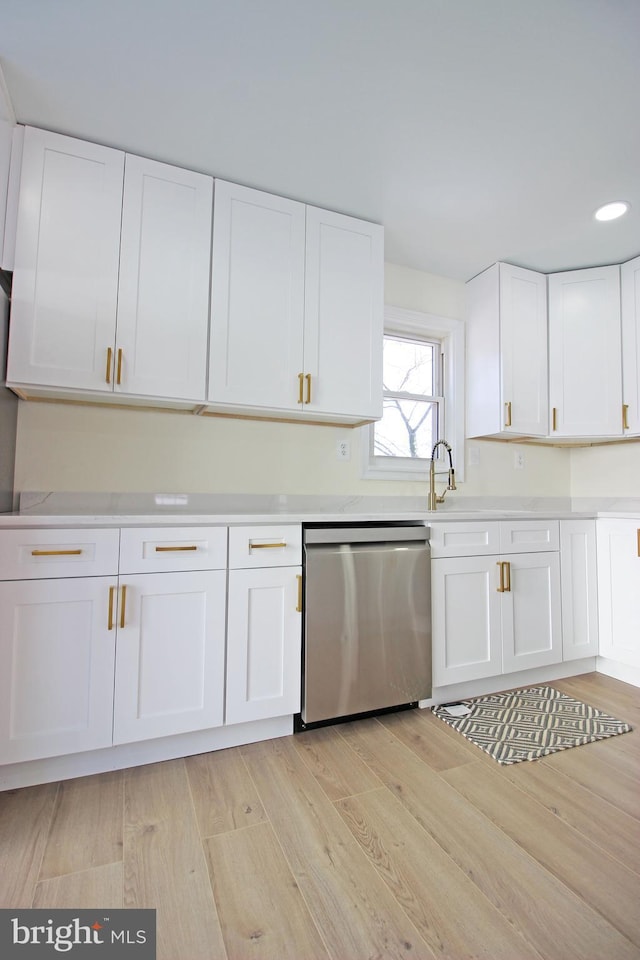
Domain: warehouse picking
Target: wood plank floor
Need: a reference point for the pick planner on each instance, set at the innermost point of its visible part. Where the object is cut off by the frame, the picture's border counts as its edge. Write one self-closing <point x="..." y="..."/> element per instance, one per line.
<point x="382" y="838"/>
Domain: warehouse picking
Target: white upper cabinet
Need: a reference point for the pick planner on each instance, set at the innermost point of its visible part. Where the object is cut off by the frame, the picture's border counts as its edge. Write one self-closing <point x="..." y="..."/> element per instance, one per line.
<point x="257" y="298"/>
<point x="163" y="299"/>
<point x="296" y="308"/>
<point x="630" y="303"/>
<point x="111" y="279"/>
<point x="65" y="280"/>
<point x="343" y="331"/>
<point x="507" y="391"/>
<point x="585" y="371"/>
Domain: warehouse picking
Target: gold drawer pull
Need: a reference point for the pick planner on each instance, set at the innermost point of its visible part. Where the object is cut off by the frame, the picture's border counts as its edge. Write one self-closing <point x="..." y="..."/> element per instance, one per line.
<point x="625" y="416"/>
<point x="507" y="413"/>
<point x="501" y="586"/>
<point x="111" y="593"/>
<point x="554" y="418"/>
<point x="267" y="546"/>
<point x="119" y="371"/>
<point x="308" y="379"/>
<point x="507" y="585"/>
<point x="122" y="608"/>
<point x="300" y="387"/>
<point x="109" y="359"/>
<point x="299" y="605"/>
<point x="173" y="549"/>
<point x="56" y="553"/>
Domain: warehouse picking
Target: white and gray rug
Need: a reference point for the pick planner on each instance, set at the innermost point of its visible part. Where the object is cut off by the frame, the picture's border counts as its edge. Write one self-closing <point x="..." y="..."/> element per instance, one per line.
<point x="531" y="723"/>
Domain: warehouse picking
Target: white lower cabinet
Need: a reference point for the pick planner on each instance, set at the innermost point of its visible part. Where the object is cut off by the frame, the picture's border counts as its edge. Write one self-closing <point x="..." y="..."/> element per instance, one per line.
<point x="579" y="589"/>
<point x="264" y="624"/>
<point x="619" y="590"/>
<point x="494" y="613"/>
<point x="263" y="654"/>
<point x="56" y="667"/>
<point x="169" y="675"/>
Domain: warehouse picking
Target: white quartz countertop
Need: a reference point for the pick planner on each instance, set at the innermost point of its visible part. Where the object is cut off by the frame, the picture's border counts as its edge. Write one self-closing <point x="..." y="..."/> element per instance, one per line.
<point x="110" y="510"/>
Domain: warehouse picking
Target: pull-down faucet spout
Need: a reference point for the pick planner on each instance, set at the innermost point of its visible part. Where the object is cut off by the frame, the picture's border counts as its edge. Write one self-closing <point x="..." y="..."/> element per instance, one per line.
<point x="434" y="499"/>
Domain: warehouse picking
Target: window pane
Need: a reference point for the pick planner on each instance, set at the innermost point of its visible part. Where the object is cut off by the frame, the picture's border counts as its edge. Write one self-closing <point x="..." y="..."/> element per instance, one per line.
<point x="408" y="428"/>
<point x="408" y="366"/>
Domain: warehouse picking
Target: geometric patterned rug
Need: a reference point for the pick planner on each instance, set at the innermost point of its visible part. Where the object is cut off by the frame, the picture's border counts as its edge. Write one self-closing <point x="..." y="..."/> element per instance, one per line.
<point x="531" y="723"/>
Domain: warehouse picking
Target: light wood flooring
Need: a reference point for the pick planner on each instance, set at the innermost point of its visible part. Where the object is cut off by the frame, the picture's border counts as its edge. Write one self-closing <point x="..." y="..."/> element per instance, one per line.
<point x="383" y="838"/>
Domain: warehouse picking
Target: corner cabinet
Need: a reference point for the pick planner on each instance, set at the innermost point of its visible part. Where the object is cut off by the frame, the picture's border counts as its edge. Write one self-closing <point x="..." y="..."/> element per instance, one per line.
<point x="111" y="279"/>
<point x="297" y="297"/>
<point x="506" y="335"/>
<point x="496" y="604"/>
<point x="585" y="370"/>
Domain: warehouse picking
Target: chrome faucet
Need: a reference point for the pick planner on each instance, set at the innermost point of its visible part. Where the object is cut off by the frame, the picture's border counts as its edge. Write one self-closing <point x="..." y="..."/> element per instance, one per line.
<point x="434" y="499"/>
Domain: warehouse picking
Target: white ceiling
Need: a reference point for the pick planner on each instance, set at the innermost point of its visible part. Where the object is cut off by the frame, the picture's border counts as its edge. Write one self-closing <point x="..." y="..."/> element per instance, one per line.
<point x="475" y="130"/>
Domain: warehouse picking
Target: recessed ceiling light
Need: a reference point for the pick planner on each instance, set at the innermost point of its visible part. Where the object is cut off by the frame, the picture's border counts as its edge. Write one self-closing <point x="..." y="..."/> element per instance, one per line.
<point x="611" y="211"/>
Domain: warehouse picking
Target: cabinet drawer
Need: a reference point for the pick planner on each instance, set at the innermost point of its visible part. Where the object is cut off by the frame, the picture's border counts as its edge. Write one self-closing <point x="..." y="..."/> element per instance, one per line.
<point x="275" y="545"/>
<point x="469" y="539"/>
<point x="48" y="554"/>
<point x="529" y="536"/>
<point x="155" y="549"/>
<point x="482" y="538"/>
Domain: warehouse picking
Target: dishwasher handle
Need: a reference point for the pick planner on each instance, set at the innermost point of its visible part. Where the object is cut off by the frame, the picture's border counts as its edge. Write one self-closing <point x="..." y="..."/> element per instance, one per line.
<point x="373" y="534"/>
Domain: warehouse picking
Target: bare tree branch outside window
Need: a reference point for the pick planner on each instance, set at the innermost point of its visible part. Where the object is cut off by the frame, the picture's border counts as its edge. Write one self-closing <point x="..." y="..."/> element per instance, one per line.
<point x="409" y="426"/>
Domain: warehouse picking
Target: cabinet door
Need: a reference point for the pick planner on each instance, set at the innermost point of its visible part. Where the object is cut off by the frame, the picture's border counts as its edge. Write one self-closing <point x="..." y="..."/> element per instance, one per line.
<point x="343" y="333"/>
<point x="630" y="303"/>
<point x="163" y="298"/>
<point x="257" y="298"/>
<point x="579" y="589"/>
<point x="466" y="619"/>
<point x="619" y="590"/>
<point x="57" y="662"/>
<point x="531" y="613"/>
<point x="170" y="654"/>
<point x="585" y="373"/>
<point x="523" y="347"/>
<point x="65" y="281"/>
<point x="263" y="644"/>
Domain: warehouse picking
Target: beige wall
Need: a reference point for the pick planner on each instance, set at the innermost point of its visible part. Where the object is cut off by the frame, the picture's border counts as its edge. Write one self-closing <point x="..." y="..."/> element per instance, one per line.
<point x="67" y="448"/>
<point x="608" y="471"/>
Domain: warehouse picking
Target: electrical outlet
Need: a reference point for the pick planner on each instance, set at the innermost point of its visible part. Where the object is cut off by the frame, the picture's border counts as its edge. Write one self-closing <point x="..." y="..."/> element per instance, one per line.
<point x="343" y="450"/>
<point x="518" y="460"/>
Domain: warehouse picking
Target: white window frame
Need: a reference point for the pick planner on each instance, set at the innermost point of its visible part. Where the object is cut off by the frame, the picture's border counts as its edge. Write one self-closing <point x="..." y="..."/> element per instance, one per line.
<point x="418" y="325"/>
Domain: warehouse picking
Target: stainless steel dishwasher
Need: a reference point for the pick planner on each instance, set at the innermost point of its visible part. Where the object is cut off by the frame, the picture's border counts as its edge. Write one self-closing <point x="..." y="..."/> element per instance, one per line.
<point x="367" y="620"/>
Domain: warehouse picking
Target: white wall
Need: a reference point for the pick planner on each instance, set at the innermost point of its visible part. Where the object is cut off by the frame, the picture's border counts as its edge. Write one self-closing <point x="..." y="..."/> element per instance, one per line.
<point x="82" y="448"/>
<point x="608" y="471"/>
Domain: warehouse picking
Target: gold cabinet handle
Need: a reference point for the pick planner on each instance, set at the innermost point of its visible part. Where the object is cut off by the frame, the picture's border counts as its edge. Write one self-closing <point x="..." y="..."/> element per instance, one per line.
<point x="56" y="553"/>
<point x="554" y="419"/>
<point x="299" y="604"/>
<point x="267" y="546"/>
<point x="174" y="549"/>
<point x="501" y="586"/>
<point x="119" y="371"/>
<point x="109" y="359"/>
<point x="123" y="606"/>
<point x="112" y="591"/>
<point x="300" y="387"/>
<point x="507" y="413"/>
<point x="308" y="379"/>
<point x="507" y="584"/>
<point x="625" y="416"/>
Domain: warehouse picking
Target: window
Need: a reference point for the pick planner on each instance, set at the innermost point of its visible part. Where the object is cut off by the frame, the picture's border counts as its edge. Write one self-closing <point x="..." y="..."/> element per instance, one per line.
<point x="412" y="405"/>
<point x="422" y="388"/>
